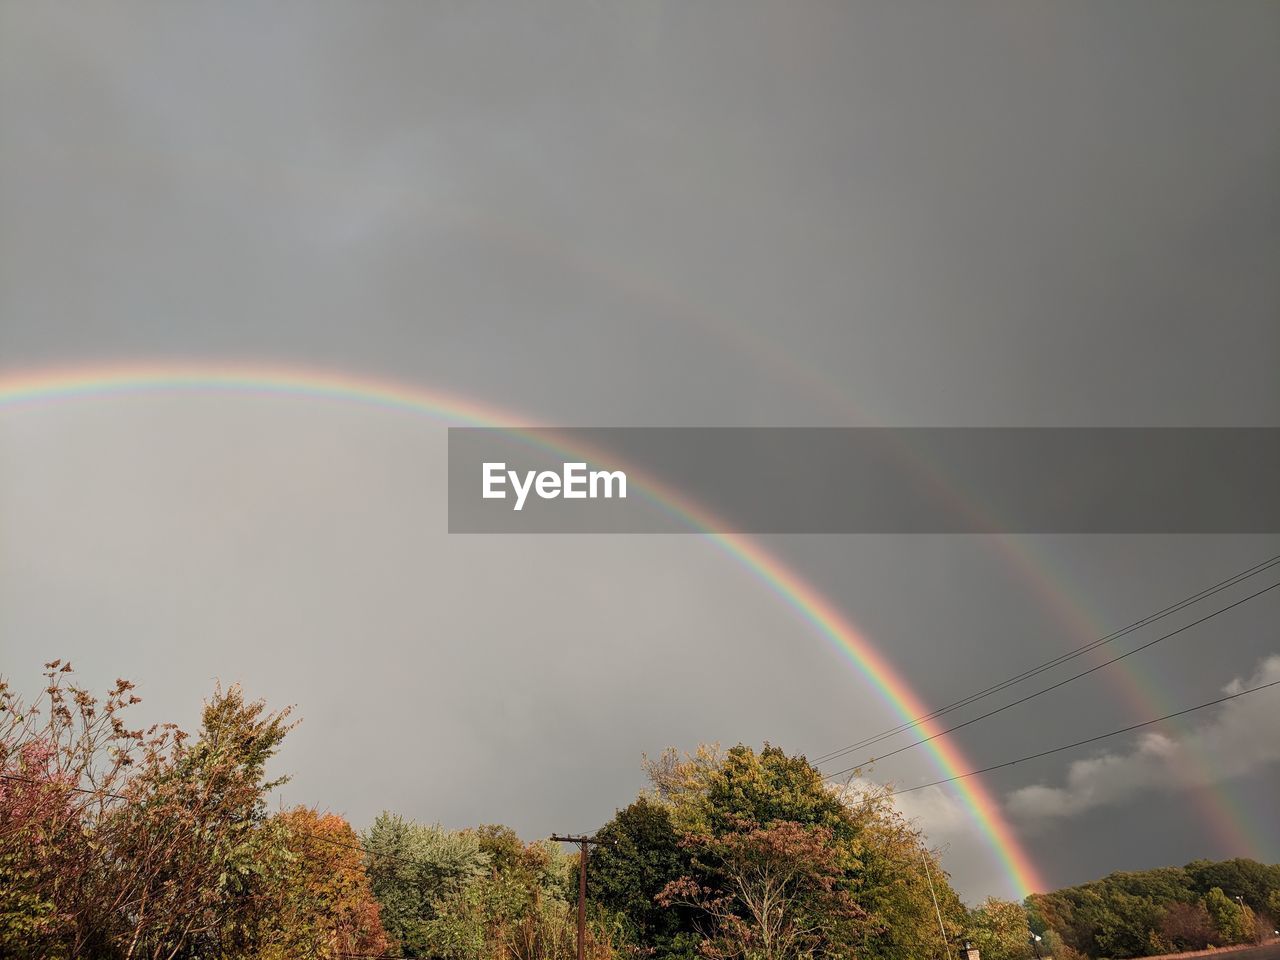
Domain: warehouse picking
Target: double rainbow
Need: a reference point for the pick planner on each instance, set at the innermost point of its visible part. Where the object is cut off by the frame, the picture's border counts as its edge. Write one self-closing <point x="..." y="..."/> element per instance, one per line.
<point x="788" y="585"/>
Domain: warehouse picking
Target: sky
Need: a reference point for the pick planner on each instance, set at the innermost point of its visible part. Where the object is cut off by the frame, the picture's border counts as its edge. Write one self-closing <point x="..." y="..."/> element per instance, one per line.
<point x="720" y="214"/>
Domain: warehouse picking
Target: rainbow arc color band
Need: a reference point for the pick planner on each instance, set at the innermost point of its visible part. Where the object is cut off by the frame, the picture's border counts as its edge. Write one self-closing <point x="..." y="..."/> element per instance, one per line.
<point x="17" y="389"/>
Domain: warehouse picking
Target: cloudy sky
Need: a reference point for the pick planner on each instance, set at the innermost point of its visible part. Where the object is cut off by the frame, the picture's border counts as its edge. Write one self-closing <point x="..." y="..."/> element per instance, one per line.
<point x="613" y="214"/>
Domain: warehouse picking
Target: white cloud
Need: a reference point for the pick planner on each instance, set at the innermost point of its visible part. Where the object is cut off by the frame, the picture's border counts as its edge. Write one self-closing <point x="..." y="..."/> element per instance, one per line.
<point x="941" y="815"/>
<point x="1239" y="737"/>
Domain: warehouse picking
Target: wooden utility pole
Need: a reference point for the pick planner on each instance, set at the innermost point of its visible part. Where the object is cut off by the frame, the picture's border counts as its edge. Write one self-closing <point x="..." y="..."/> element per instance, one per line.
<point x="583" y="843"/>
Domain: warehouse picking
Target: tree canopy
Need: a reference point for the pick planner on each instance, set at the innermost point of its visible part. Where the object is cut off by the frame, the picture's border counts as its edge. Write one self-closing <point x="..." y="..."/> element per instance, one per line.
<point x="119" y="843"/>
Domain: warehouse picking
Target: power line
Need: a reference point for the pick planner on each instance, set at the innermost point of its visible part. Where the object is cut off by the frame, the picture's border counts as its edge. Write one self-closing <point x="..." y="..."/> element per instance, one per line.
<point x="933" y="783"/>
<point x="1056" y="661"/>
<point x="1063" y="682"/>
<point x="1072" y="746"/>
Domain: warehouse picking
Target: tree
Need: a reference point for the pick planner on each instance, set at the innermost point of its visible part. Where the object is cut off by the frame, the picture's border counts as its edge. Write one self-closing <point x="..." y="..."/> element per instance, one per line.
<point x="413" y="868"/>
<point x="1240" y="877"/>
<point x="471" y="894"/>
<point x="517" y="911"/>
<point x="1187" y="926"/>
<point x="123" y="843"/>
<point x="901" y="883"/>
<point x="63" y="757"/>
<point x="1234" y="922"/>
<point x="779" y="893"/>
<point x="999" y="929"/>
<point x="640" y="853"/>
<point x="884" y="866"/>
<point x="710" y="792"/>
<point x="314" y="891"/>
<point x="1153" y="911"/>
<point x="181" y="847"/>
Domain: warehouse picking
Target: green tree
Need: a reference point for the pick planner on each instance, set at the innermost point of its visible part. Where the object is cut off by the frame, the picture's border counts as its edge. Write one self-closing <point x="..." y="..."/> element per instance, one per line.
<point x="710" y="792"/>
<point x="1234" y="922"/>
<point x="639" y="855"/>
<point x="27" y="919"/>
<point x="884" y="866"/>
<point x="181" y="849"/>
<point x="413" y="868"/>
<point x="999" y="929"/>
<point x="902" y="885"/>
<point x="1241" y="877"/>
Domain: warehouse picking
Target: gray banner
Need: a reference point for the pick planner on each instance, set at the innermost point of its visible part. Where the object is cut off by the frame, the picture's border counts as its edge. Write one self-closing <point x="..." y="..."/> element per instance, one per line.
<point x="864" y="480"/>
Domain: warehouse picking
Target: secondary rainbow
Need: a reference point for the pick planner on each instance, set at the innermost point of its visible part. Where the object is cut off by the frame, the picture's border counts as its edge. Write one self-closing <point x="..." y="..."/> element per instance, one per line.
<point x="821" y="613"/>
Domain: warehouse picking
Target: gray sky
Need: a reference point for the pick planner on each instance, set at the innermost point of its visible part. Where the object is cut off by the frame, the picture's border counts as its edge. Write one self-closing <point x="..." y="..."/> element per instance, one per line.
<point x="722" y="214"/>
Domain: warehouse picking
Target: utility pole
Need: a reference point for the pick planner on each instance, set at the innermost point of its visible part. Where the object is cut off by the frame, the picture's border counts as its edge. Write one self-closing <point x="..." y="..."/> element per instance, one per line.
<point x="583" y="843"/>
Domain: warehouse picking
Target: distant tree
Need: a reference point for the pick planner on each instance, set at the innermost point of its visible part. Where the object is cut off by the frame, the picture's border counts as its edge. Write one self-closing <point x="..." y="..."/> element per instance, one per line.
<point x="1249" y="879"/>
<point x="1151" y="911"/>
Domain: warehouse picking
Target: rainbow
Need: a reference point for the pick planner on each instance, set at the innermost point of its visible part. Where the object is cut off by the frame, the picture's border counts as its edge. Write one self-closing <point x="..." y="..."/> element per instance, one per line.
<point x="1240" y="832"/>
<point x="818" y="611"/>
<point x="1228" y="820"/>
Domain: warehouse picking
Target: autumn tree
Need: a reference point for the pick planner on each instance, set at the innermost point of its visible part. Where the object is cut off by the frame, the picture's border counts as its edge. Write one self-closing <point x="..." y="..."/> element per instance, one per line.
<point x="130" y="843"/>
<point x="1186" y="926"/>
<point x="63" y="758"/>
<point x="772" y="893"/>
<point x="181" y="847"/>
<point x="313" y="894"/>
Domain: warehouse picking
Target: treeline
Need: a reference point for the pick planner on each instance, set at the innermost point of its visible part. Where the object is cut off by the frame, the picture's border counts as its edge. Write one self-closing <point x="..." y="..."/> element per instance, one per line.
<point x="119" y="843"/>
<point x="1168" y="910"/>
